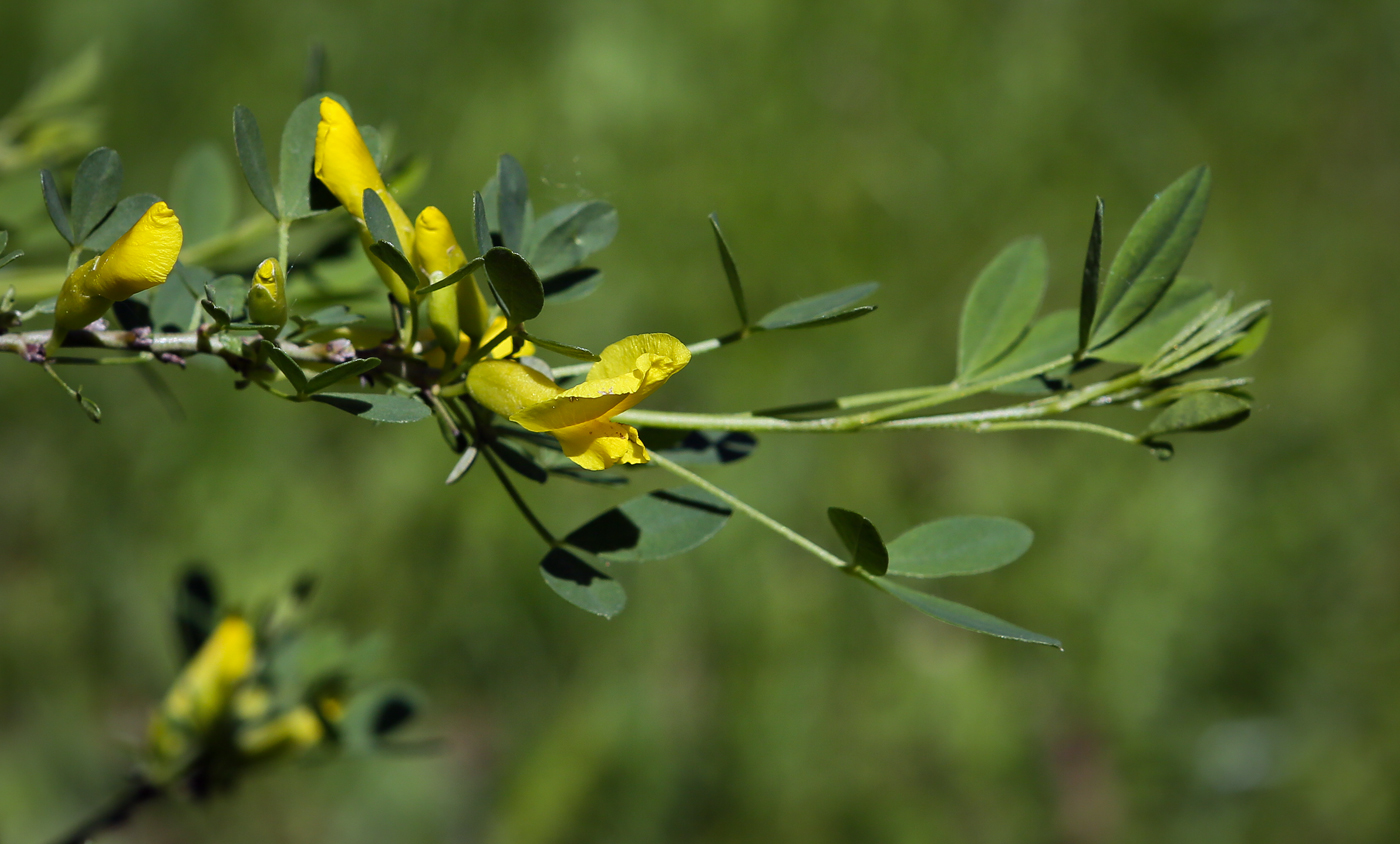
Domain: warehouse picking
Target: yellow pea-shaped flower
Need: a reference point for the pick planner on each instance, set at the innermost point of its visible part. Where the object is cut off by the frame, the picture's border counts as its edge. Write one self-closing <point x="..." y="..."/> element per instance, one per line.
<point x="438" y="256"/>
<point x="138" y="260"/>
<point x="343" y="164"/>
<point x="267" y="298"/>
<point x="202" y="692"/>
<point x="293" y="731"/>
<point x="581" y="416"/>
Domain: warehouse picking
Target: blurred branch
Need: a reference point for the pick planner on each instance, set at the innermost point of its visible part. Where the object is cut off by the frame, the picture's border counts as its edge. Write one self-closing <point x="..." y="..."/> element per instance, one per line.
<point x="114" y="814"/>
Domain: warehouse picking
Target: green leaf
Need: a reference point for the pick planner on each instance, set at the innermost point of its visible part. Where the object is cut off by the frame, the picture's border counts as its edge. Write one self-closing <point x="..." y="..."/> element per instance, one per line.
<point x="377" y="407"/>
<point x="481" y="227"/>
<point x="252" y="158"/>
<point x="302" y="193"/>
<point x="196" y="609"/>
<point x="568" y="234"/>
<point x="1089" y="284"/>
<point x="1001" y="304"/>
<point x="219" y="315"/>
<point x="6" y="259"/>
<point x="515" y="284"/>
<point x="1244" y="347"/>
<point x="54" y="203"/>
<point x="458" y="275"/>
<point x="571" y="285"/>
<point x="820" y="310"/>
<point x="465" y="462"/>
<point x="731" y="272"/>
<point x="283" y="361"/>
<point x="1151" y="255"/>
<point x="959" y="545"/>
<point x="394" y="259"/>
<point x="576" y="352"/>
<point x="962" y="616"/>
<point x="1206" y="411"/>
<point x="519" y="462"/>
<point x="96" y="188"/>
<point x="660" y="524"/>
<point x="1186" y="299"/>
<point x="380" y="224"/>
<point x="1051" y="338"/>
<point x="229" y="292"/>
<point x="350" y="369"/>
<point x="120" y="221"/>
<point x="512" y="200"/>
<point x="861" y="539"/>
<point x="202" y="192"/>
<point x="699" y="447"/>
<point x="334" y="316"/>
<point x="391" y="712"/>
<point x="574" y="580"/>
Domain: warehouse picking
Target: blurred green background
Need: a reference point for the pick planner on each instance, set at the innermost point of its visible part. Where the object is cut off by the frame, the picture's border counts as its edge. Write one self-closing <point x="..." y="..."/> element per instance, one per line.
<point x="1229" y="617"/>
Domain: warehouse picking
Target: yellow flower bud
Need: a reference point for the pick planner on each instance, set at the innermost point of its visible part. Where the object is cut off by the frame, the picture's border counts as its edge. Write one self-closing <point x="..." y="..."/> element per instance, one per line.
<point x="581" y="416"/>
<point x="267" y="298"/>
<point x="439" y="256"/>
<point x="201" y="694"/>
<point x="343" y="164"/>
<point x="505" y="348"/>
<point x="138" y="260"/>
<point x="291" y="732"/>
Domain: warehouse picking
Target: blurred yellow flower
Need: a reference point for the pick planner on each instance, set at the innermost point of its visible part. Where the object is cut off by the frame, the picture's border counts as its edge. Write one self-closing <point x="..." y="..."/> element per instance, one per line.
<point x="201" y="694"/>
<point x="138" y="260"/>
<point x="581" y="416"/>
<point x="293" y="731"/>
<point x="343" y="163"/>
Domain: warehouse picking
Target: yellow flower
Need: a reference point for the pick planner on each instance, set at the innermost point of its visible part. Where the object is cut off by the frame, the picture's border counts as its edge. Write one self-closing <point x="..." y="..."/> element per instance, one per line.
<point x="504" y="349"/>
<point x="343" y="163"/>
<point x="438" y="256"/>
<point x="581" y="416"/>
<point x="201" y="694"/>
<point x="138" y="260"/>
<point x="267" y="298"/>
<point x="293" y="731"/>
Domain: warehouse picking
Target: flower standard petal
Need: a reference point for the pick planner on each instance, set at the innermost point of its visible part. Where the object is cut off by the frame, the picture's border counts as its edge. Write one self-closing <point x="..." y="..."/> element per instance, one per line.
<point x="343" y="164"/>
<point x="140" y="259"/>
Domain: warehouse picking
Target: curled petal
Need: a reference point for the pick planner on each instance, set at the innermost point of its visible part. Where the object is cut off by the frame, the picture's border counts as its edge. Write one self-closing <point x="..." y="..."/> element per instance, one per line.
<point x="601" y="443"/>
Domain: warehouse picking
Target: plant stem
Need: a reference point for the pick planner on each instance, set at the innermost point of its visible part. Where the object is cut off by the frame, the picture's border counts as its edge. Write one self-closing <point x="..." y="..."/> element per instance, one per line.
<point x="114" y="813"/>
<point x="752" y="512"/>
<point x="188" y="343"/>
<point x="515" y="496"/>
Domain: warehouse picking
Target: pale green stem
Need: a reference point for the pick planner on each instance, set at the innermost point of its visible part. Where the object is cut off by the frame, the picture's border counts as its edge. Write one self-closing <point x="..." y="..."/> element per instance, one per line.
<point x="750" y="511"/>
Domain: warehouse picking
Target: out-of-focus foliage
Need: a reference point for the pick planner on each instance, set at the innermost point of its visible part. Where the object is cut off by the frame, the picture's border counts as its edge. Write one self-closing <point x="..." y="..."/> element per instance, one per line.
<point x="1221" y="683"/>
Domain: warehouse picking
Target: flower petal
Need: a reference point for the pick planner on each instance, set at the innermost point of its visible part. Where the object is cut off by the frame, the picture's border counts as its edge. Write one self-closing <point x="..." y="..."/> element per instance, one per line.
<point x="138" y="260"/>
<point x="505" y="348"/>
<point x="438" y="253"/>
<point x="582" y="403"/>
<point x="342" y="160"/>
<point x="601" y="443"/>
<point x="508" y="387"/>
<point x="622" y="357"/>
